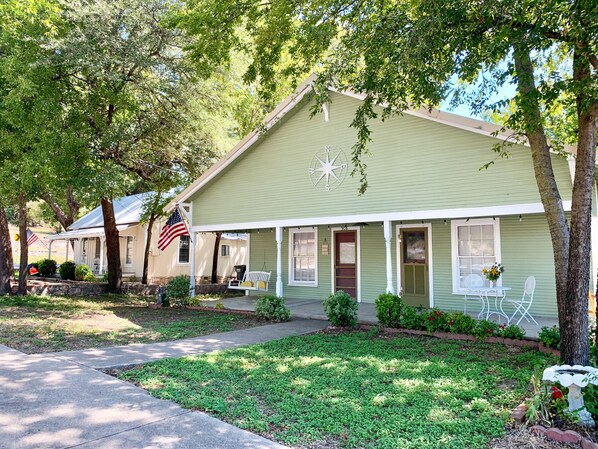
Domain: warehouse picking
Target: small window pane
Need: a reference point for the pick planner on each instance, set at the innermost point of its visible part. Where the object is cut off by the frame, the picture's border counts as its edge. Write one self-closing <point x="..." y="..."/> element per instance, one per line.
<point x="184" y="249"/>
<point x="129" y="251"/>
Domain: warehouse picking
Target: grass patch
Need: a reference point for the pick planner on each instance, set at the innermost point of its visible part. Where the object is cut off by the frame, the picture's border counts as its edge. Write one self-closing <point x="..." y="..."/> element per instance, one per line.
<point x="353" y="390"/>
<point x="34" y="324"/>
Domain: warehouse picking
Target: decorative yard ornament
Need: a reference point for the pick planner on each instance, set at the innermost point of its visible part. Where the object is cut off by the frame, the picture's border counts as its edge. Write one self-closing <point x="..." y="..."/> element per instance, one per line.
<point x="574" y="378"/>
<point x="328" y="168"/>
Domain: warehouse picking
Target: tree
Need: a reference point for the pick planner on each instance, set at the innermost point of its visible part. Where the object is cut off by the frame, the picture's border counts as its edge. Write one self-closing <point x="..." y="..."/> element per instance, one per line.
<point x="408" y="54"/>
<point x="129" y="92"/>
<point x="6" y="263"/>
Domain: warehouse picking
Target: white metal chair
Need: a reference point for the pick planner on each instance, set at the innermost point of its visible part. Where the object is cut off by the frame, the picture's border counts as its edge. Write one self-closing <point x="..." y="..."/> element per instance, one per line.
<point x="472" y="283"/>
<point x="523" y="305"/>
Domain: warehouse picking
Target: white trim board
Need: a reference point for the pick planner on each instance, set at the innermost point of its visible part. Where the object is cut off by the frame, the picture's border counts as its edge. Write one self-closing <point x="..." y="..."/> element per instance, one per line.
<point x="357" y="255"/>
<point x="428" y="227"/>
<point x="434" y="214"/>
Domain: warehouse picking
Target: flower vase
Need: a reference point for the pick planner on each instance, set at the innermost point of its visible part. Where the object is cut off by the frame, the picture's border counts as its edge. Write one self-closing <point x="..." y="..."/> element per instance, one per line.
<point x="491" y="284"/>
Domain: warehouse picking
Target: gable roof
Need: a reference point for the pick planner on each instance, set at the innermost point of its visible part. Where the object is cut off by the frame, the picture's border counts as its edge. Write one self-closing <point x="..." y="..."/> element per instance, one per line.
<point x="127" y="211"/>
<point x="289" y="103"/>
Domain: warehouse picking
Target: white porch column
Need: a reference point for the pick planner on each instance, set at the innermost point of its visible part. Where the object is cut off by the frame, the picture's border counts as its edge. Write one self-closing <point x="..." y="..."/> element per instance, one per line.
<point x="279" y="261"/>
<point x="77" y="255"/>
<point x="50" y="249"/>
<point x="192" y="241"/>
<point x="102" y="244"/>
<point x="388" y="241"/>
<point x="68" y="244"/>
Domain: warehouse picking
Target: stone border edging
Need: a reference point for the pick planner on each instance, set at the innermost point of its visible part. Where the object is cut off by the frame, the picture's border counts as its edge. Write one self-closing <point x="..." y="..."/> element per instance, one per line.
<point x="563" y="436"/>
<point x="527" y="343"/>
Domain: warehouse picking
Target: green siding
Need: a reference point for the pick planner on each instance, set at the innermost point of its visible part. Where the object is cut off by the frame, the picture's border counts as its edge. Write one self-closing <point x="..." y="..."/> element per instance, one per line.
<point x="525" y="247"/>
<point x="416" y="164"/>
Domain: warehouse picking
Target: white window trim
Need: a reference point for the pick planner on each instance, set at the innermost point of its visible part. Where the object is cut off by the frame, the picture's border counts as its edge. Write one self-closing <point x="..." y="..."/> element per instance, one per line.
<point x="291" y="233"/>
<point x="455" y="242"/>
<point x="358" y="255"/>
<point x="127" y="237"/>
<point x="428" y="227"/>
<point x="178" y="252"/>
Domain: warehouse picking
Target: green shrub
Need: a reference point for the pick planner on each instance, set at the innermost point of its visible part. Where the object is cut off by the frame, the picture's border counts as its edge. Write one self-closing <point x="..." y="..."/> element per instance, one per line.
<point x="341" y="309"/>
<point x="459" y="323"/>
<point x="47" y="267"/>
<point x="81" y="271"/>
<point x="485" y="329"/>
<point x="388" y="310"/>
<point x="177" y="290"/>
<point x="411" y="318"/>
<point x="513" y="331"/>
<point x="435" y="321"/>
<point x="105" y="277"/>
<point x="272" y="308"/>
<point x="67" y="270"/>
<point x="90" y="277"/>
<point x="550" y="337"/>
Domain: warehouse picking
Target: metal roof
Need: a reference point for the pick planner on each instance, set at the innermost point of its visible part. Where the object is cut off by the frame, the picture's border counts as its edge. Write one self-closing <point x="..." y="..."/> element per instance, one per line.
<point x="127" y="210"/>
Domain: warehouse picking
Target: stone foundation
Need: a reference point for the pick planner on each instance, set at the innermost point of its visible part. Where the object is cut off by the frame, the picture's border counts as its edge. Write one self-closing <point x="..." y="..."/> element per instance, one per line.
<point x="60" y="287"/>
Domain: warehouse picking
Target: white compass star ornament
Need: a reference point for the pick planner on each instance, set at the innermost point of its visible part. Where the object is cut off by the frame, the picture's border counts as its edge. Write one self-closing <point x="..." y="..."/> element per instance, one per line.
<point x="329" y="166"/>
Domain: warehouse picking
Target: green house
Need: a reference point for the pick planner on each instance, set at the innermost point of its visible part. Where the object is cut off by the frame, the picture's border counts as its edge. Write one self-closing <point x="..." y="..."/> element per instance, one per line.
<point x="430" y="217"/>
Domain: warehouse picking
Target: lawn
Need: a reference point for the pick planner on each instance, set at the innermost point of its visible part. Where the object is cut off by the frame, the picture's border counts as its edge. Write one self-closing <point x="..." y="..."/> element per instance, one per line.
<point x="35" y="324"/>
<point x="354" y="389"/>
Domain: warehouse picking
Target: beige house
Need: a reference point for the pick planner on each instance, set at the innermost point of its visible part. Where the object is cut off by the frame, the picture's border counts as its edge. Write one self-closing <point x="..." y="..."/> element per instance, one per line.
<point x="87" y="241"/>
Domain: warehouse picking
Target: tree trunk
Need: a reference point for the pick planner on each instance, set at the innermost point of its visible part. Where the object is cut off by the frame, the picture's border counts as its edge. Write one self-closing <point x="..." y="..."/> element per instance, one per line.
<point x="148" y="244"/>
<point x="215" y="258"/>
<point x="112" y="247"/>
<point x="574" y="335"/>
<point x="6" y="262"/>
<point x="578" y="279"/>
<point x="23" y="261"/>
<point x="65" y="219"/>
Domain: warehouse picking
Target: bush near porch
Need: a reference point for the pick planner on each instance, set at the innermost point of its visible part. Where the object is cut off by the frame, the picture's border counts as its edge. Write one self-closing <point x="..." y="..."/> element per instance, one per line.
<point x="354" y="389"/>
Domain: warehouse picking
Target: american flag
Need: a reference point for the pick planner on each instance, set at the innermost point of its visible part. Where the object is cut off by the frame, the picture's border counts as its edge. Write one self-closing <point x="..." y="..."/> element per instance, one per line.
<point x="31" y="238"/>
<point x="174" y="227"/>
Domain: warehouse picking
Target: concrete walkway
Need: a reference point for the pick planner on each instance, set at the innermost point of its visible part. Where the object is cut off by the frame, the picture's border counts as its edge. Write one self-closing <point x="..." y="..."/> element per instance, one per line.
<point x="57" y="400"/>
<point x="117" y="356"/>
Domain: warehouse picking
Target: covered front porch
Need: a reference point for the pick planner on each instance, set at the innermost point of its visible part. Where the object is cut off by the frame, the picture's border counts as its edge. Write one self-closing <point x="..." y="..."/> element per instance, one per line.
<point x="423" y="257"/>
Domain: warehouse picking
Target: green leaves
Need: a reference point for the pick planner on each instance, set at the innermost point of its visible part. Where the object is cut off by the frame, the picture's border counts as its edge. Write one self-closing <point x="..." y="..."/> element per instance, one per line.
<point x="352" y="390"/>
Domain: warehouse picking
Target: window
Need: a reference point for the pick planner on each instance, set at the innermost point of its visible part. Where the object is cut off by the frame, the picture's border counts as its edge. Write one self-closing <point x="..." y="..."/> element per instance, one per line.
<point x="475" y="245"/>
<point x="129" y="251"/>
<point x="184" y="249"/>
<point x="303" y="261"/>
<point x="225" y="250"/>
<point x="97" y="249"/>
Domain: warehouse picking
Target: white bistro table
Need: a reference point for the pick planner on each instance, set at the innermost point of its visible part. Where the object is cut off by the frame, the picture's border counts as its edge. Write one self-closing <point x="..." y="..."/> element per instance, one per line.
<point x="488" y="296"/>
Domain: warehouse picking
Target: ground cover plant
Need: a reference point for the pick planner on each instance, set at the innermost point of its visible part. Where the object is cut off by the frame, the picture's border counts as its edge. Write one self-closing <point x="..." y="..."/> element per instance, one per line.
<point x="34" y="324"/>
<point x="354" y="389"/>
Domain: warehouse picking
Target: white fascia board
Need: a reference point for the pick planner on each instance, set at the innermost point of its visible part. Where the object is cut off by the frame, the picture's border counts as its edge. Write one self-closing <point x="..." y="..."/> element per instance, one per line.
<point x="434" y="214"/>
<point x="280" y="111"/>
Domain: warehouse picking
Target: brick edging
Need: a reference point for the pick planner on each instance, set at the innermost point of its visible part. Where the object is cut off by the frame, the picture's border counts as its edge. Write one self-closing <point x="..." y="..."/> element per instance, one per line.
<point x="563" y="436"/>
<point x="528" y="343"/>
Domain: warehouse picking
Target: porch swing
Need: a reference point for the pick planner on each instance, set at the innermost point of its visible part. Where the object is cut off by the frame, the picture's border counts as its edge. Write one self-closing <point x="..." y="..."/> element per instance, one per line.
<point x="253" y="280"/>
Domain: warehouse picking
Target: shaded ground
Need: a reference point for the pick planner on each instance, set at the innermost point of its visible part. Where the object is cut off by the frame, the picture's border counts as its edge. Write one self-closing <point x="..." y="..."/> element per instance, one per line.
<point x="36" y="324"/>
<point x="355" y="390"/>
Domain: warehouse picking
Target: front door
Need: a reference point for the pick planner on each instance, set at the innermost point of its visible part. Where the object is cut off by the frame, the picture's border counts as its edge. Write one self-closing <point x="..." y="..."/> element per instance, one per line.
<point x="345" y="264"/>
<point x="414" y="266"/>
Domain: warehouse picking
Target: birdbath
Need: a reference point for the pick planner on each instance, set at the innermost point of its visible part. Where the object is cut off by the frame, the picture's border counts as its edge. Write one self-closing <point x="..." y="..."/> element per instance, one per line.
<point x="575" y="378"/>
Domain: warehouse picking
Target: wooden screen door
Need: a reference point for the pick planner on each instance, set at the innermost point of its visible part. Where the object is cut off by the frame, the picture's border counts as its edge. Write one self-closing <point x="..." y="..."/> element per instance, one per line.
<point x="414" y="266"/>
<point x="345" y="264"/>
